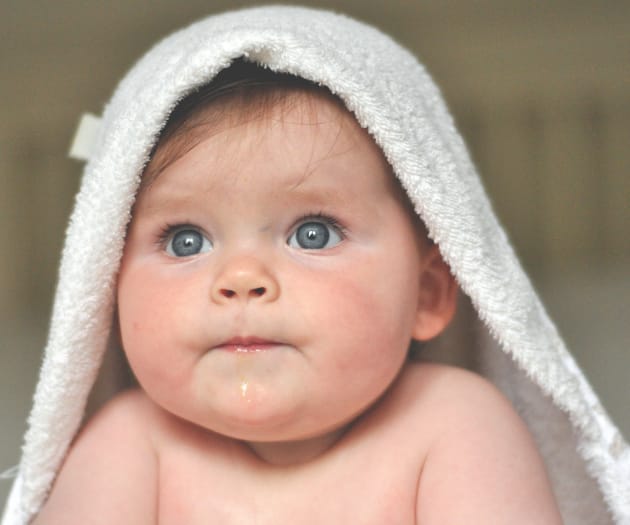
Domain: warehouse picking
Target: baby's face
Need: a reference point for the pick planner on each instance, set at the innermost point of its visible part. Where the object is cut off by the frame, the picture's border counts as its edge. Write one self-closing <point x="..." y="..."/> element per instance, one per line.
<point x="269" y="284"/>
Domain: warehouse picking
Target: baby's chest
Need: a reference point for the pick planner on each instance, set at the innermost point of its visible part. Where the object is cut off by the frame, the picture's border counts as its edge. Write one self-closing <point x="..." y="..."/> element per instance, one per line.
<point x="361" y="494"/>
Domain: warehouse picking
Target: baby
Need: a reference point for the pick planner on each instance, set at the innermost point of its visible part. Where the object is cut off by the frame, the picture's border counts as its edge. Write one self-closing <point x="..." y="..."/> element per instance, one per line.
<point x="274" y="275"/>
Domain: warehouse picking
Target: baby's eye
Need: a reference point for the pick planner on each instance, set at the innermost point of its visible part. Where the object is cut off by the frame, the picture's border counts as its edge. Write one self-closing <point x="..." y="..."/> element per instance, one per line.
<point x="315" y="235"/>
<point x="186" y="242"/>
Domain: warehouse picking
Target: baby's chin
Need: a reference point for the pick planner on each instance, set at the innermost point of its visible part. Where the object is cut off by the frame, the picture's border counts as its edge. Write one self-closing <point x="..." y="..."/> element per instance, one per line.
<point x="261" y="415"/>
<point x="246" y="410"/>
<point x="267" y="396"/>
<point x="256" y="391"/>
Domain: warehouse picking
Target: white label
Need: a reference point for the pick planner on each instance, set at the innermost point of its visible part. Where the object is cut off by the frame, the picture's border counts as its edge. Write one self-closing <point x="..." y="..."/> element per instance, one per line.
<point x="85" y="137"/>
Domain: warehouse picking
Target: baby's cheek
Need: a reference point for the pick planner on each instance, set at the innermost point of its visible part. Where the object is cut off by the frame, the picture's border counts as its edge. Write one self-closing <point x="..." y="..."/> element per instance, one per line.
<point x="369" y="348"/>
<point x="366" y="320"/>
<point x="145" y="325"/>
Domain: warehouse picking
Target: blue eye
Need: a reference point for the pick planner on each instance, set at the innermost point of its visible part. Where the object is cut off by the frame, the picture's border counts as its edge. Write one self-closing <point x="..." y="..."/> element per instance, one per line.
<point x="187" y="242"/>
<point x="315" y="235"/>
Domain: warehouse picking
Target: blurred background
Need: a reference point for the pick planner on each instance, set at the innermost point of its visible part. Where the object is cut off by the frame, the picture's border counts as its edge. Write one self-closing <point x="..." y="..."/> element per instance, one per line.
<point x="540" y="90"/>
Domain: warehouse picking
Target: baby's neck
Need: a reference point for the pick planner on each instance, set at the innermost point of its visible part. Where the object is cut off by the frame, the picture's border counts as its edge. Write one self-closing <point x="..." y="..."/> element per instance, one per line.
<point x="291" y="453"/>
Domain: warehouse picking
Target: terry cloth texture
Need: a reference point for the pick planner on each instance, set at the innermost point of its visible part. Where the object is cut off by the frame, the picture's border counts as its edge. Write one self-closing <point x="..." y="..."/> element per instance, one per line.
<point x="392" y="96"/>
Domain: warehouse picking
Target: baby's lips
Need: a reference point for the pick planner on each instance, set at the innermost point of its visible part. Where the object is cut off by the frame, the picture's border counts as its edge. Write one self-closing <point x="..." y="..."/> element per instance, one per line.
<point x="248" y="344"/>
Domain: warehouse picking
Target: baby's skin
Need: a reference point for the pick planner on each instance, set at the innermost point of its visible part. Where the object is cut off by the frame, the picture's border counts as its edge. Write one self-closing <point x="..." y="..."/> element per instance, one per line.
<point x="272" y="279"/>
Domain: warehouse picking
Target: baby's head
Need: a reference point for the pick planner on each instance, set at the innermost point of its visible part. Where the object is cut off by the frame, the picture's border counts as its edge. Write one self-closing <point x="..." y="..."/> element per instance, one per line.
<point x="274" y="271"/>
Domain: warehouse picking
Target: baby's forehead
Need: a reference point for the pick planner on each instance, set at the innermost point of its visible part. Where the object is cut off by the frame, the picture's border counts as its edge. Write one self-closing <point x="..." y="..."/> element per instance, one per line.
<point x="306" y="138"/>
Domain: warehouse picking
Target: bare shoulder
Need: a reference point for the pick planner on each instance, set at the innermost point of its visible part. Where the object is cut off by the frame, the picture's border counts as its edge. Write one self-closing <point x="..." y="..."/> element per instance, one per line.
<point x="481" y="454"/>
<point x="110" y="473"/>
<point x="454" y="391"/>
<point x="131" y="406"/>
<point x="121" y="424"/>
<point x="453" y="395"/>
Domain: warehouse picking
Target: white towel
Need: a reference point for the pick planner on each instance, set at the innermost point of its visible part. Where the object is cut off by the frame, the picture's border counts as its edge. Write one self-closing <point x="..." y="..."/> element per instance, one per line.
<point x="393" y="97"/>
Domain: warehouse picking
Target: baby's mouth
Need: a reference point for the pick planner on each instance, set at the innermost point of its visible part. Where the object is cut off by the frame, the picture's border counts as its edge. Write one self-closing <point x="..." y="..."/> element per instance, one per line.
<point x="248" y="345"/>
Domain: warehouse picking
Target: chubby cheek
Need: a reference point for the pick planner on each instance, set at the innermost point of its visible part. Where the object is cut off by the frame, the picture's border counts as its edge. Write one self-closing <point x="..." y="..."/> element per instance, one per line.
<point x="150" y="317"/>
<point x="368" y="313"/>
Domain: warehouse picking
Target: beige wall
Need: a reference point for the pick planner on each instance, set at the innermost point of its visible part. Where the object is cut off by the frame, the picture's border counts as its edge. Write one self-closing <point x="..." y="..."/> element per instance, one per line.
<point x="542" y="93"/>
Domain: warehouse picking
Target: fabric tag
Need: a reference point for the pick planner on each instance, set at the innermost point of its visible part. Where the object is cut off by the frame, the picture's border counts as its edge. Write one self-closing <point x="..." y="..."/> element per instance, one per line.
<point x="10" y="473"/>
<point x="85" y="137"/>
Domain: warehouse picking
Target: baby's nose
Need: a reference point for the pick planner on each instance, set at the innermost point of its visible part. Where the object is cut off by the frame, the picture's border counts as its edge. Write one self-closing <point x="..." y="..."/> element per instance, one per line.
<point x="245" y="279"/>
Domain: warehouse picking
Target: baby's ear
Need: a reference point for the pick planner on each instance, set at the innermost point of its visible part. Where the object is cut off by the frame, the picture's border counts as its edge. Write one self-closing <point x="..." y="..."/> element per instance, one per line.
<point x="437" y="296"/>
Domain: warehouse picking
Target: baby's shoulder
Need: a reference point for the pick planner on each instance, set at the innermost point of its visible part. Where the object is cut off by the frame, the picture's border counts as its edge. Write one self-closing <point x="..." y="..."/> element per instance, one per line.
<point x="129" y="412"/>
<point x="448" y="387"/>
<point x="446" y="400"/>
<point x="479" y="450"/>
<point x="108" y="474"/>
<point x="118" y="430"/>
